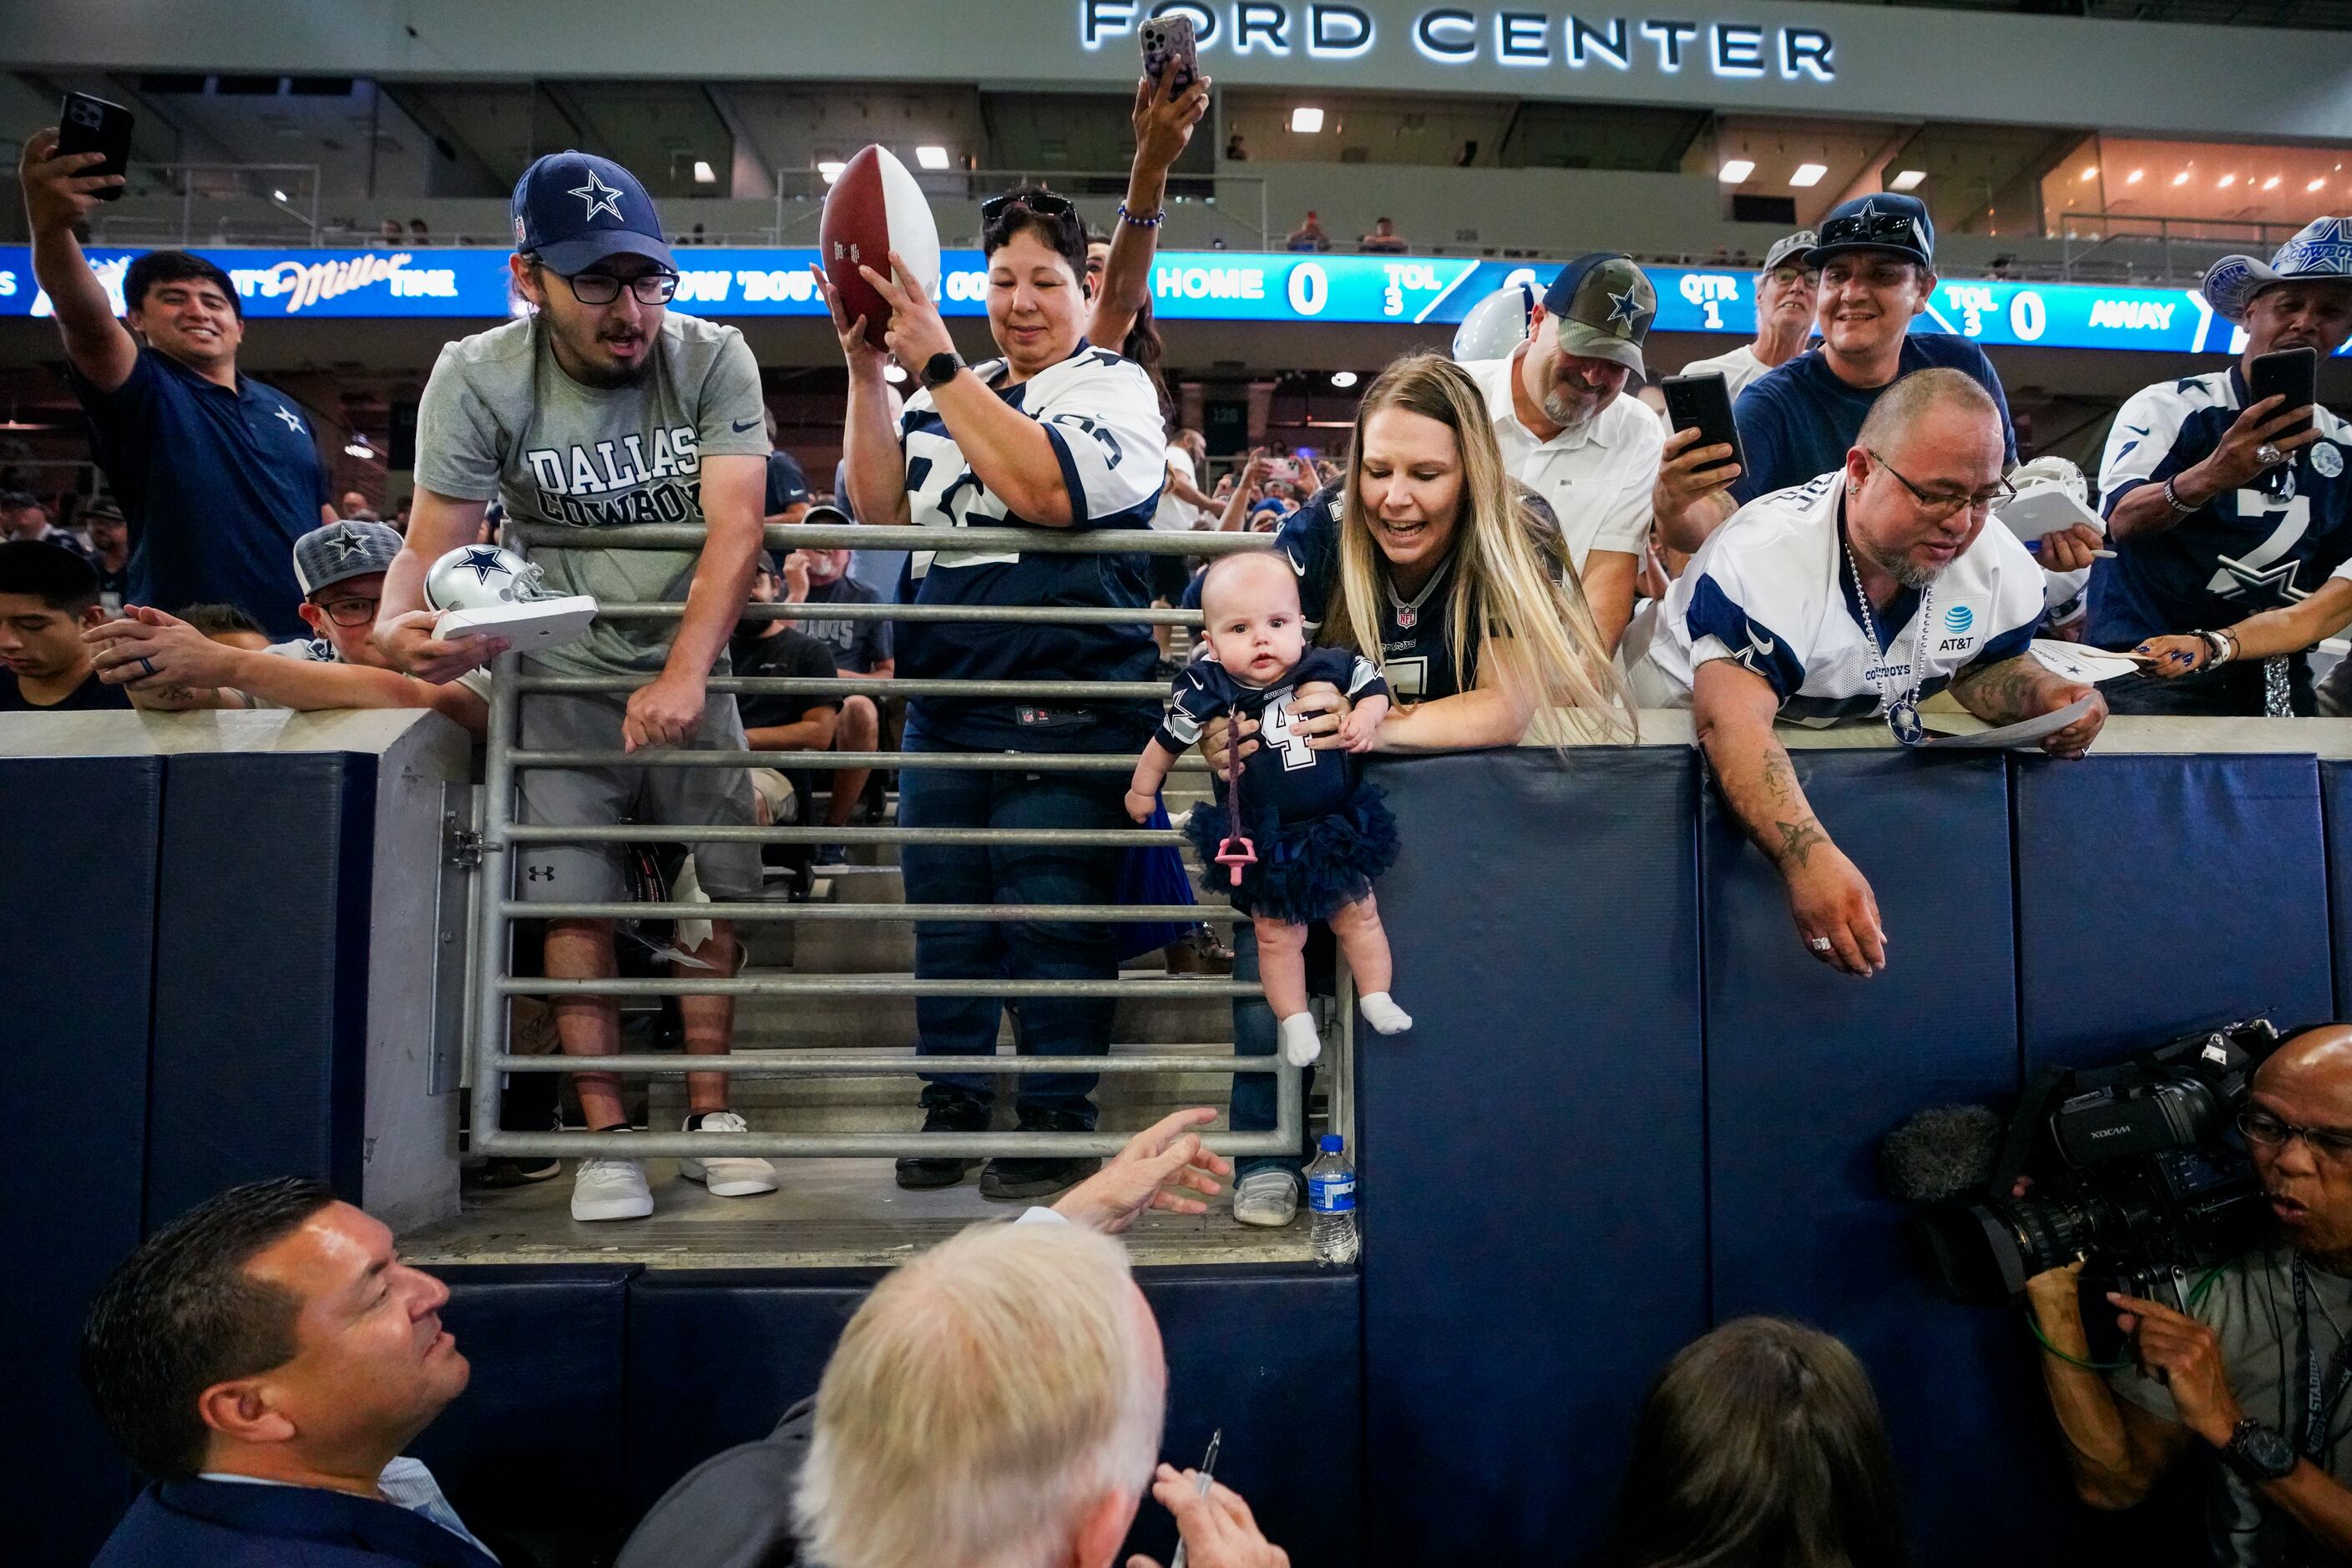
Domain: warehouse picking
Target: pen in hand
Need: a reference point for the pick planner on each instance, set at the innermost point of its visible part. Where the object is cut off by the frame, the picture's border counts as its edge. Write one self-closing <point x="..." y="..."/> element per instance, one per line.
<point x="1208" y="1474"/>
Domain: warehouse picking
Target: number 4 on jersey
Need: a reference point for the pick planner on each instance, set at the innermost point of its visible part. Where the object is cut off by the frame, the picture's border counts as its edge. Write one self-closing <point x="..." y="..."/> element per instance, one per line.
<point x="1279" y="733"/>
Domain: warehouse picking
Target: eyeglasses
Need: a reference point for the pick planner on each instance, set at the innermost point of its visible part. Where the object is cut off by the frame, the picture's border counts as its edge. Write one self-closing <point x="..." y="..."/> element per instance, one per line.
<point x="1045" y="204"/>
<point x="1943" y="503"/>
<point x="1875" y="228"/>
<point x="350" y="611"/>
<point x="602" y="288"/>
<point x="2326" y="1143"/>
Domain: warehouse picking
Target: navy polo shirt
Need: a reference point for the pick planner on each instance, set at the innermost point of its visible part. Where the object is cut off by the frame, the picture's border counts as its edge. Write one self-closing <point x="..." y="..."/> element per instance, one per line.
<point x="1800" y="420"/>
<point x="215" y="485"/>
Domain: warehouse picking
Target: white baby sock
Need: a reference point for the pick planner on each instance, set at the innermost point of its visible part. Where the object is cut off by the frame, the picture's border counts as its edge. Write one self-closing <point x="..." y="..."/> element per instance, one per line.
<point x="1300" y="1044"/>
<point x="1383" y="1015"/>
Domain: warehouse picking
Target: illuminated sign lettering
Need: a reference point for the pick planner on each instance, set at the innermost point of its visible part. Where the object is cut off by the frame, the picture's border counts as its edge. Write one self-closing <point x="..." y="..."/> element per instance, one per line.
<point x="1458" y="34"/>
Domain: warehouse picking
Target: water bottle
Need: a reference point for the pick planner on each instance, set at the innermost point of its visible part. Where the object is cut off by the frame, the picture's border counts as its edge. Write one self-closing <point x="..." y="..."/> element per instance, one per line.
<point x="1332" y="1197"/>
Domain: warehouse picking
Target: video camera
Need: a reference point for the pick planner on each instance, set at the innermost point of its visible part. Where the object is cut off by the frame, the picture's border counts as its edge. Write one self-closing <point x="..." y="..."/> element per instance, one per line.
<point x="2136" y="1167"/>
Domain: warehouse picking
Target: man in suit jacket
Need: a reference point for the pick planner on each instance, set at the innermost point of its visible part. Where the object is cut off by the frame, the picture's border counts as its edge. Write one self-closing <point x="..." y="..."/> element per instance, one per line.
<point x="265" y="1358"/>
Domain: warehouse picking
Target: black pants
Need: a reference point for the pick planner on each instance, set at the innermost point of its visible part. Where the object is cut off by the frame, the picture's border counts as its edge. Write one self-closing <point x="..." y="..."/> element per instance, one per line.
<point x="2234" y="690"/>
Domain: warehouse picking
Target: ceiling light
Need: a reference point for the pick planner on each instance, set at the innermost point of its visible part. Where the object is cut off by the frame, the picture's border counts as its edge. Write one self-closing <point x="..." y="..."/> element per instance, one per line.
<point x="931" y="157"/>
<point x="1306" y="119"/>
<point x="893" y="372"/>
<point x="1808" y="174"/>
<point x="2270" y="183"/>
<point x="704" y="175"/>
<point x="2134" y="177"/>
<point x="1343" y="379"/>
<point x="1906" y="180"/>
<point x="280" y="194"/>
<point x="358" y="450"/>
<point x="2225" y="182"/>
<point x="1735" y="169"/>
<point x="2316" y="184"/>
<point x="2181" y="178"/>
<point x="831" y="169"/>
<point x="2091" y="173"/>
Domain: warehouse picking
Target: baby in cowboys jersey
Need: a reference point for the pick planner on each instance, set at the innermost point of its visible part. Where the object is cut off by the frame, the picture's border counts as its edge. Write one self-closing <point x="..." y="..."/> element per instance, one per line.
<point x="1320" y="833"/>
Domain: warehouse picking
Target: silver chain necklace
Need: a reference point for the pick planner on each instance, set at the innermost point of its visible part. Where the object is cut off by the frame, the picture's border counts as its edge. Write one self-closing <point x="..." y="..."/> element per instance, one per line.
<point x="1901" y="706"/>
<point x="1407" y="612"/>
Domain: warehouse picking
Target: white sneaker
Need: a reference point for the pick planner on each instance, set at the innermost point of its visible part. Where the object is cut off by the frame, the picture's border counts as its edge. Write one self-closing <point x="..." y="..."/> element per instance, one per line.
<point x="1269" y="1198"/>
<point x="732" y="1176"/>
<point x="610" y="1189"/>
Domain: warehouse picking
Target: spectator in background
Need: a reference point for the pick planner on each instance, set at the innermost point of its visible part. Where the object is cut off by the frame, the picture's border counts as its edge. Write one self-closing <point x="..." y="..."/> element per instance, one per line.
<point x="1467" y="156"/>
<point x="355" y="505"/>
<point x="787" y="499"/>
<point x="1801" y="607"/>
<point x="2195" y="471"/>
<point x="48" y="596"/>
<point x="25" y="516"/>
<point x="218" y="474"/>
<point x="1309" y="236"/>
<point x="1384" y="240"/>
<point x="174" y="662"/>
<point x="109" y="549"/>
<point x="417" y="233"/>
<point x="857" y="648"/>
<point x="775" y="722"/>
<point x="1236" y="152"/>
<point x="1787" y="287"/>
<point x="389" y="232"/>
<point x="1760" y="1445"/>
<point x="228" y="624"/>
<point x="1056" y="435"/>
<point x="263" y="1360"/>
<point x="1568" y="432"/>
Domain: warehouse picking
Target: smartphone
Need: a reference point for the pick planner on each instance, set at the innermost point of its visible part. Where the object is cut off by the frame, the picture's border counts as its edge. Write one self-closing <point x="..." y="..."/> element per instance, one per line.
<point x="86" y="124"/>
<point x="2294" y="372"/>
<point x="1703" y="403"/>
<point x="1170" y="38"/>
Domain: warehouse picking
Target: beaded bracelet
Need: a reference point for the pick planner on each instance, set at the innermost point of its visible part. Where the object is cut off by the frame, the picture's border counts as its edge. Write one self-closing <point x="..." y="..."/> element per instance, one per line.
<point x="1154" y="221"/>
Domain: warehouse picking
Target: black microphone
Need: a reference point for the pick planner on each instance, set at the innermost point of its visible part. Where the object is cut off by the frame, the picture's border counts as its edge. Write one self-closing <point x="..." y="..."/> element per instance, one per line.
<point x="1942" y="1152"/>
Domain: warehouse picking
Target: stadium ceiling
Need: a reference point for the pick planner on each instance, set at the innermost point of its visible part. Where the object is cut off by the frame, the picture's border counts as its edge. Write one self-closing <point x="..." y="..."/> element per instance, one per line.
<point x="2335" y="15"/>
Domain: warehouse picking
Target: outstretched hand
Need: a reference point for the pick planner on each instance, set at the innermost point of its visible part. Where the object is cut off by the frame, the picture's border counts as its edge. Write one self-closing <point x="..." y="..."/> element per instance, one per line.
<point x="1157" y="1169"/>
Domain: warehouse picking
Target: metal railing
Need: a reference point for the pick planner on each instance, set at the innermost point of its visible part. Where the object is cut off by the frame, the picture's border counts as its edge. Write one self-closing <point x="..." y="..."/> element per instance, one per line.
<point x="491" y="985"/>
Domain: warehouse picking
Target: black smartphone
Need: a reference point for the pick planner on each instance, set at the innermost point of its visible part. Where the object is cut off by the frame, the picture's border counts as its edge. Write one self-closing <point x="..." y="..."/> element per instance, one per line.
<point x="86" y="124"/>
<point x="1703" y="403"/>
<point x="2292" y="372"/>
<point x="1170" y="38"/>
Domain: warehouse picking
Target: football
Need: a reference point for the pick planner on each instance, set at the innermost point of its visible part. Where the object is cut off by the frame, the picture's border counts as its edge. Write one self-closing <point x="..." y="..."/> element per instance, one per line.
<point x="876" y="207"/>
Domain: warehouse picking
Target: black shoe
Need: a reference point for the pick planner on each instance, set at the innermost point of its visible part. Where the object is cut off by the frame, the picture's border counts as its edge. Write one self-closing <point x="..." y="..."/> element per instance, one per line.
<point x="1012" y="1181"/>
<point x="513" y="1171"/>
<point x="923" y="1174"/>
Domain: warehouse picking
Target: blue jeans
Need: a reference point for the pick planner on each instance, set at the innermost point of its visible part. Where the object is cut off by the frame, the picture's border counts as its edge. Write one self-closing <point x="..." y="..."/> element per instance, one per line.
<point x="991" y="950"/>
<point x="1254" y="1034"/>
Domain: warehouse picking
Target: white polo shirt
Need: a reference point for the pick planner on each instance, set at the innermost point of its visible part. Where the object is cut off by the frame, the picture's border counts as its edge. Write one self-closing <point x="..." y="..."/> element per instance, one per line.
<point x="1597" y="479"/>
<point x="1772" y="591"/>
<point x="1737" y="368"/>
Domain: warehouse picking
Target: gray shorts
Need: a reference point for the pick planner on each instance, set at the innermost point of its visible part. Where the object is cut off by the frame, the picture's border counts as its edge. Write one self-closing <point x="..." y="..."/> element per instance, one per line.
<point x="594" y="797"/>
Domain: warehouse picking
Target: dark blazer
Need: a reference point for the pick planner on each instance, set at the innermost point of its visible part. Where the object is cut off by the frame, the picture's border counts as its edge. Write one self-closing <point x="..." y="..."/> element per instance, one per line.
<point x="226" y="1524"/>
<point x="733" y="1510"/>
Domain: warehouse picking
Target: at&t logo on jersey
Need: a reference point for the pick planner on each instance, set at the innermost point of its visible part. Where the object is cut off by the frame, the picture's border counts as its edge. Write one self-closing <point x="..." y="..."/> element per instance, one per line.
<point x="1956" y="622"/>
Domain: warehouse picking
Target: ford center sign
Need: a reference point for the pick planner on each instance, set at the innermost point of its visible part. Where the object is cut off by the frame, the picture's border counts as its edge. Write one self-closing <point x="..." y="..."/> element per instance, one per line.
<point x="1460" y="35"/>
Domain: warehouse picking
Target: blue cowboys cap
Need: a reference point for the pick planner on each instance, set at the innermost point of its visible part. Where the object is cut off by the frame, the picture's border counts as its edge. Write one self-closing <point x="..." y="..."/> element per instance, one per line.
<point x="1887" y="221"/>
<point x="572" y="210"/>
<point x="2323" y="249"/>
<point x="1602" y="305"/>
<point x="326" y="556"/>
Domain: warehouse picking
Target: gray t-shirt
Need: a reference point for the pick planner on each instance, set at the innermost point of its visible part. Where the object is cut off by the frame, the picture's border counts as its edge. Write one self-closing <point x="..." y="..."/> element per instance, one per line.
<point x="500" y="418"/>
<point x="2251" y="1305"/>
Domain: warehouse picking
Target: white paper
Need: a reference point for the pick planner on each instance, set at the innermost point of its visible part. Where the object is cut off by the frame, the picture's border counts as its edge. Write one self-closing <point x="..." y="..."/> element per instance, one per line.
<point x="2077" y="661"/>
<point x="2047" y="509"/>
<point x="2022" y="734"/>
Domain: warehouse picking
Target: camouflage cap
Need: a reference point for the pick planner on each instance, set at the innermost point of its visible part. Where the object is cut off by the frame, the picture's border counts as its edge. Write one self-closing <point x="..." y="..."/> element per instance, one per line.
<point x="1601" y="306"/>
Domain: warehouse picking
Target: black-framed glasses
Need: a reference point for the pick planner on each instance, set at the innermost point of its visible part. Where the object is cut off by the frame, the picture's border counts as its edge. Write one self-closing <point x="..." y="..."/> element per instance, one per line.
<point x="1943" y="503"/>
<point x="350" y="610"/>
<point x="2325" y="1143"/>
<point x="1045" y="204"/>
<point x="602" y="288"/>
<point x="1872" y="228"/>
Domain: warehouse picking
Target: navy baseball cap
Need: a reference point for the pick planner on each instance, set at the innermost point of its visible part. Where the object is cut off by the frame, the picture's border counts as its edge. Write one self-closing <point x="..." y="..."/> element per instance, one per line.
<point x="1602" y="305"/>
<point x="573" y="209"/>
<point x="1887" y="221"/>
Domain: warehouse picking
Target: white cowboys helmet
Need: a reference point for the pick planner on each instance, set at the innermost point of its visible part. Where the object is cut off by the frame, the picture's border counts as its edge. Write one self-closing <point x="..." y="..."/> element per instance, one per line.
<point x="2050" y="473"/>
<point x="1495" y="324"/>
<point x="483" y="577"/>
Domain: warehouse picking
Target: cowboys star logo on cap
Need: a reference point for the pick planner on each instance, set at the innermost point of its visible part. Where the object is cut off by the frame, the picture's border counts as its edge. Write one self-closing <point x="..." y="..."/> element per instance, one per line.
<point x="1626" y="309"/>
<point x="1601" y="306"/>
<point x="347" y="543"/>
<point x="600" y="197"/>
<point x="2323" y="251"/>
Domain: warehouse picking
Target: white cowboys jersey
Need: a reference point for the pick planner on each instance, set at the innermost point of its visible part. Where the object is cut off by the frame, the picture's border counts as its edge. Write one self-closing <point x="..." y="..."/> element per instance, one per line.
<point x="1772" y="590"/>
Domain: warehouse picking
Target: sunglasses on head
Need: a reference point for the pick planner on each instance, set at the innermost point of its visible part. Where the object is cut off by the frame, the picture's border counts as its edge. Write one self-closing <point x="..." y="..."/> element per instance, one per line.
<point x="1045" y="204"/>
<point x="1875" y="229"/>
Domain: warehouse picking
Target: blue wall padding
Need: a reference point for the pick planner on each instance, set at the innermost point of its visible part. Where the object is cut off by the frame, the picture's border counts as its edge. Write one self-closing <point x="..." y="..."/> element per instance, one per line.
<point x="261" y="955"/>
<point x="1533" y="1158"/>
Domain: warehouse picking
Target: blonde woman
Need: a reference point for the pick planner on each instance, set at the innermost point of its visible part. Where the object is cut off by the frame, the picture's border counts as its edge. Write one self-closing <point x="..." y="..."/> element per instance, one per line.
<point x="1429" y="560"/>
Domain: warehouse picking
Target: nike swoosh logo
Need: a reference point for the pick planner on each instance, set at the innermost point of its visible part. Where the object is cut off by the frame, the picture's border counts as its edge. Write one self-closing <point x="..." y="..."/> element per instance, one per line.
<point x="1762" y="645"/>
<point x="743" y="424"/>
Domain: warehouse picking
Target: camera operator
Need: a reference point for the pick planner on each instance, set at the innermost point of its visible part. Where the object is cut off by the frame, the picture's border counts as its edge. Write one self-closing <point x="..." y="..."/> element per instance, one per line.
<point x="2260" y="1365"/>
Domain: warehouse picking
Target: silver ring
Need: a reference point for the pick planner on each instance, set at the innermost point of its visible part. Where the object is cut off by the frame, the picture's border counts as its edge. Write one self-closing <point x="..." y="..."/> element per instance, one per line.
<point x="146" y="664"/>
<point x="1820" y="945"/>
<point x="2269" y="456"/>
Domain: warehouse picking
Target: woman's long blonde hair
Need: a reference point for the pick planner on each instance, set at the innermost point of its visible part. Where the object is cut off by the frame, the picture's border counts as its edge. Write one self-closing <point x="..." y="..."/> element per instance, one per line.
<point x="1513" y="582"/>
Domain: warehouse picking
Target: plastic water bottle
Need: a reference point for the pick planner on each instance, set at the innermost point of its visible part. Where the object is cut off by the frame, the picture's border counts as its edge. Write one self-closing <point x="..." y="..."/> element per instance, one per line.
<point x="1331" y="1198"/>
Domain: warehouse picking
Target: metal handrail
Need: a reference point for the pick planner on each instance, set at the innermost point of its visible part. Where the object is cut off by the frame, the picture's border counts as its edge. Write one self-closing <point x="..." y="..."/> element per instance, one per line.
<point x="501" y="834"/>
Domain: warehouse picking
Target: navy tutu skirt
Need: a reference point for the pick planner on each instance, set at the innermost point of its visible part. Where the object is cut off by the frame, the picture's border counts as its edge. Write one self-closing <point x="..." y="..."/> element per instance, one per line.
<point x="1305" y="869"/>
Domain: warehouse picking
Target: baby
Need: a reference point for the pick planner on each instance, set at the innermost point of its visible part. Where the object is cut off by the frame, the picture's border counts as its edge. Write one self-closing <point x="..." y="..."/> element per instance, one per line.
<point x="1321" y="835"/>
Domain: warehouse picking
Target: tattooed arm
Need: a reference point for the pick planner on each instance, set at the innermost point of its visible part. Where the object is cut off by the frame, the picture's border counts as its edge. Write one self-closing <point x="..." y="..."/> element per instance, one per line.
<point x="2024" y="688"/>
<point x="1734" y="709"/>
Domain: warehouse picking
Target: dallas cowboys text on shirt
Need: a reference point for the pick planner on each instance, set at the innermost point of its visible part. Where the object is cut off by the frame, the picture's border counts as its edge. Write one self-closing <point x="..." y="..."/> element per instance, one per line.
<point x="570" y="482"/>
